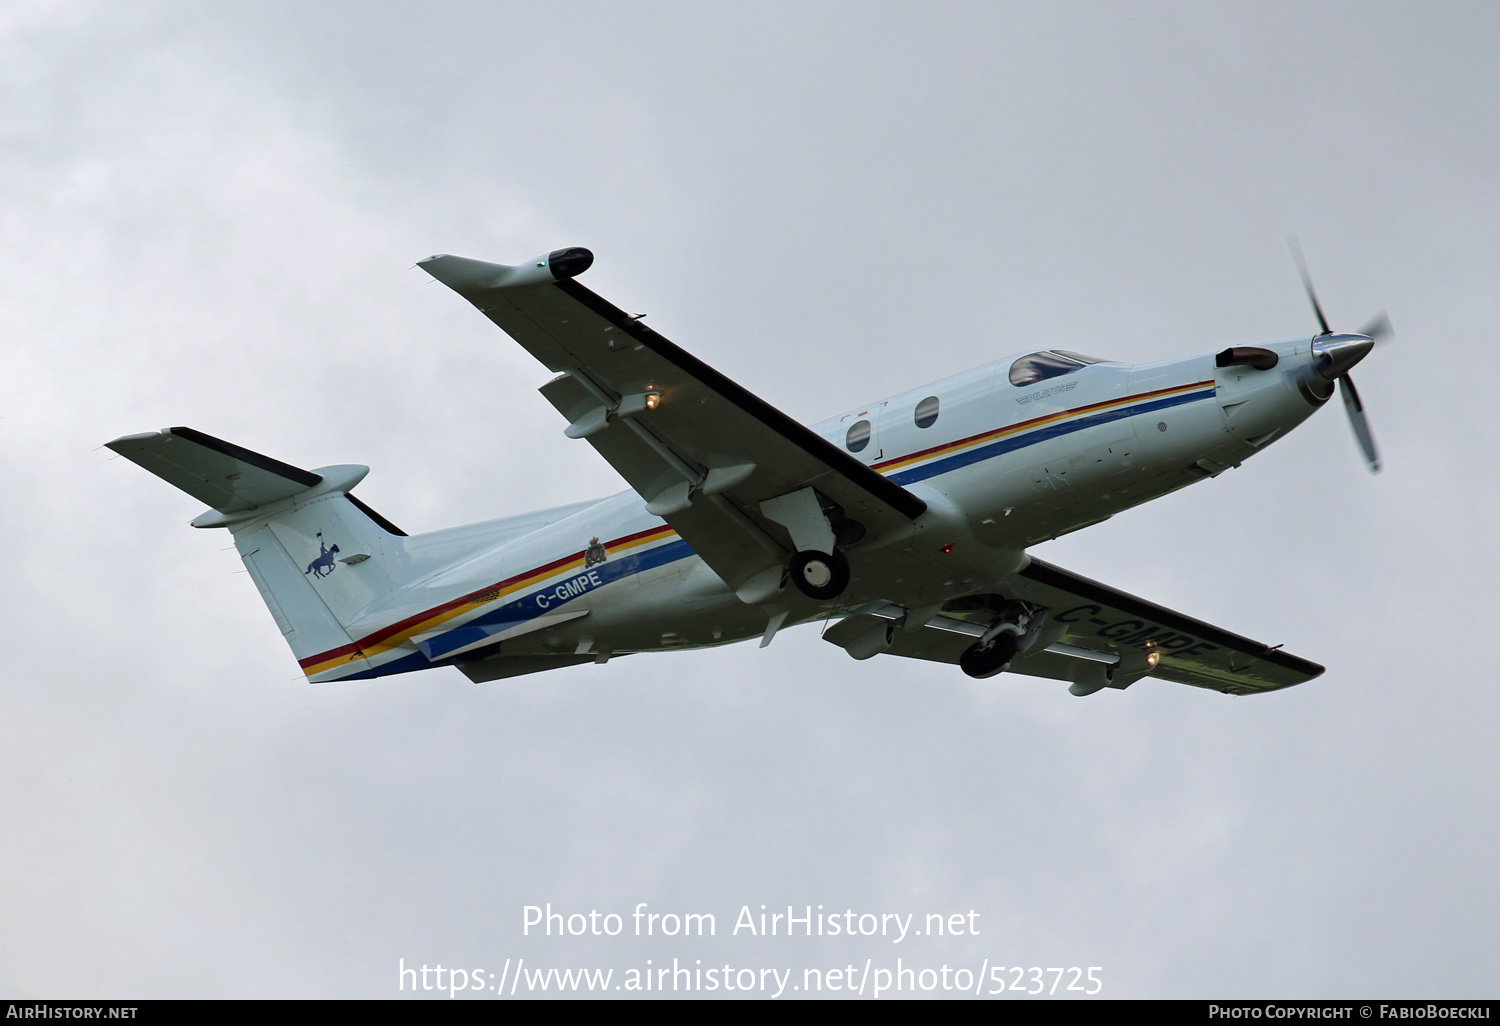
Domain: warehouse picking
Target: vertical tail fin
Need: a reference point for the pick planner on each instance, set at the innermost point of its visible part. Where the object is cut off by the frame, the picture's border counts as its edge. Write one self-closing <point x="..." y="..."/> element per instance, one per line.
<point x="319" y="557"/>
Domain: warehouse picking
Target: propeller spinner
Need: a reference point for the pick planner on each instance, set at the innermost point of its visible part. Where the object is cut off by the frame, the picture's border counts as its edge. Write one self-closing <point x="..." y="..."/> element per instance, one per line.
<point x="1337" y="352"/>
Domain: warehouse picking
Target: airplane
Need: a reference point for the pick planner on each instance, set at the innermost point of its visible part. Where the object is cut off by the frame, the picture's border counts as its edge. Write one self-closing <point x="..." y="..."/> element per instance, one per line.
<point x="902" y="524"/>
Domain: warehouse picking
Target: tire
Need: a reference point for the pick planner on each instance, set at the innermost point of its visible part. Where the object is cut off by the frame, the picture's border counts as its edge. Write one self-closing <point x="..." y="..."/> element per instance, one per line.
<point x="819" y="575"/>
<point x="987" y="662"/>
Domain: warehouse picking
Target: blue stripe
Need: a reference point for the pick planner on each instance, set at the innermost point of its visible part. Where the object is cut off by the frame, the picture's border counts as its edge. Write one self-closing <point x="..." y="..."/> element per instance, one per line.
<point x="528" y="607"/>
<point x="1005" y="445"/>
<point x="559" y="594"/>
<point x="415" y="661"/>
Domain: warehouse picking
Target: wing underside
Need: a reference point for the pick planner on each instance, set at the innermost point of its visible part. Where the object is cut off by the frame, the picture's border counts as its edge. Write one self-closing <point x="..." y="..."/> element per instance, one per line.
<point x="700" y="449"/>
<point x="1100" y="618"/>
<point x="1093" y="632"/>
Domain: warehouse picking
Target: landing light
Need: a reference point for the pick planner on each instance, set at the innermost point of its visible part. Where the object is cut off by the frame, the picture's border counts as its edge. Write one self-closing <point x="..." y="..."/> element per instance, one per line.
<point x="1153" y="658"/>
<point x="653" y="399"/>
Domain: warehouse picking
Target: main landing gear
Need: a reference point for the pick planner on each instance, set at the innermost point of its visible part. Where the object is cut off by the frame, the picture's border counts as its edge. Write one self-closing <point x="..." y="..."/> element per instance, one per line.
<point x="1014" y="630"/>
<point x="986" y="660"/>
<point x="817" y="527"/>
<point x="820" y="575"/>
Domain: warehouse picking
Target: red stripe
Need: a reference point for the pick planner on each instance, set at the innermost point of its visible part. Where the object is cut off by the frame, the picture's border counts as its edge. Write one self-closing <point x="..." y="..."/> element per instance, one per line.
<point x="1019" y="425"/>
<point x="396" y="628"/>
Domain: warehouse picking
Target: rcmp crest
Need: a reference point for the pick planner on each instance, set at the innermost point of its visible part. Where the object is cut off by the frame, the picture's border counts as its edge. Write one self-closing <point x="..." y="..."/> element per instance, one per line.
<point x="594" y="554"/>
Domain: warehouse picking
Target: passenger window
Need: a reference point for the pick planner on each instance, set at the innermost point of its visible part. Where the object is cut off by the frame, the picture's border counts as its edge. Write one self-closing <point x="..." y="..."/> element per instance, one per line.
<point x="1028" y="370"/>
<point x="926" y="413"/>
<point x="858" y="436"/>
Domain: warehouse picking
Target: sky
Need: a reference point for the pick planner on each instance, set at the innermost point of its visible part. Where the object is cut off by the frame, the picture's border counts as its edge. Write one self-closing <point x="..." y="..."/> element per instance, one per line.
<point x="210" y="216"/>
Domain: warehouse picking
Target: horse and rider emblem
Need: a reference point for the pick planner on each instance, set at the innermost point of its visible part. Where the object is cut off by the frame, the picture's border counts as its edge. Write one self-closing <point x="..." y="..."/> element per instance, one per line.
<point x="324" y="565"/>
<point x="594" y="554"/>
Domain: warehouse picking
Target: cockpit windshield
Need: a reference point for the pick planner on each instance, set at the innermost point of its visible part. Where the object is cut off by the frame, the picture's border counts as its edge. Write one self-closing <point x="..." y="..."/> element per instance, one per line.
<point x="1028" y="370"/>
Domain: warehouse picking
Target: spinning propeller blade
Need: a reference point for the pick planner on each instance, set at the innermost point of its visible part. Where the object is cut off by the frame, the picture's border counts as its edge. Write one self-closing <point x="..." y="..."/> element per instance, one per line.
<point x="1291" y="240"/>
<point x="1378" y="327"/>
<point x="1343" y="352"/>
<point x="1357" y="421"/>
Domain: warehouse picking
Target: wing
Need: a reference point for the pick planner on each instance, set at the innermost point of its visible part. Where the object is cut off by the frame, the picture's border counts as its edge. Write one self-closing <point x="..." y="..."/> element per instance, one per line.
<point x="1102" y="619"/>
<point x="701" y="450"/>
<point x="1093" y="633"/>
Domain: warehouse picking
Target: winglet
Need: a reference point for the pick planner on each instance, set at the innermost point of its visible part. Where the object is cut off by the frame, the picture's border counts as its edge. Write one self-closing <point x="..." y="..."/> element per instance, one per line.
<point x="475" y="280"/>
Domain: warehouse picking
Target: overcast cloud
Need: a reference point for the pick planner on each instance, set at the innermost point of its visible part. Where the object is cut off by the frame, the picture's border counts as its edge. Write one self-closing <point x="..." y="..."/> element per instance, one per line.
<point x="209" y="217"/>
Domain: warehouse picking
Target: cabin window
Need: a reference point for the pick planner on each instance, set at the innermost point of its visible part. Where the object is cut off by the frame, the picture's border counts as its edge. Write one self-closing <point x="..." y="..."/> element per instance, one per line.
<point x="1028" y="370"/>
<point x="926" y="413"/>
<point x="858" y="436"/>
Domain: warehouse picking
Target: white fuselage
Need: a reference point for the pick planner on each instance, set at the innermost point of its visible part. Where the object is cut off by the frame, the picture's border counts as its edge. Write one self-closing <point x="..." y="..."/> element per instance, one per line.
<point x="1002" y="467"/>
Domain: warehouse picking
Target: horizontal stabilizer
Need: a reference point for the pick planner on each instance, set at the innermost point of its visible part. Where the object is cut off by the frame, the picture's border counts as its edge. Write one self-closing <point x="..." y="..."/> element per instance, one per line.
<point x="216" y="472"/>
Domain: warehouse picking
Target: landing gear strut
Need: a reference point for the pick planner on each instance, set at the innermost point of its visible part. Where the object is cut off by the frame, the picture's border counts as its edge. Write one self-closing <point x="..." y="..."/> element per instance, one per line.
<point x="820" y="575"/>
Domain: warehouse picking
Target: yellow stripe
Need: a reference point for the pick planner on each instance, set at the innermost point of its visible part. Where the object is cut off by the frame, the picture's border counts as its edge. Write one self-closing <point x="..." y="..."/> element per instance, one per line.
<point x="1029" y="425"/>
<point x="488" y="598"/>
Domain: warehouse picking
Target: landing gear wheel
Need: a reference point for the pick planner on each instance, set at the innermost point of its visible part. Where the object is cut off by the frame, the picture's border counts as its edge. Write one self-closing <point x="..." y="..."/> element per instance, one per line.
<point x="820" y="575"/>
<point x="986" y="662"/>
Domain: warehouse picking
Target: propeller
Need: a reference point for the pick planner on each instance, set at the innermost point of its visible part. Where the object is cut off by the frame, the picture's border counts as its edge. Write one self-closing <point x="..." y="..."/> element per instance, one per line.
<point x="1356" y="411"/>
<point x="1338" y="352"/>
<point x="1378" y="328"/>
